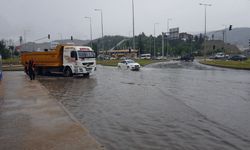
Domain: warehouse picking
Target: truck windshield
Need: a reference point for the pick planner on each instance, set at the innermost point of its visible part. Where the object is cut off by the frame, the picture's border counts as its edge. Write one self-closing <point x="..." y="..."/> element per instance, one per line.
<point x="86" y="54"/>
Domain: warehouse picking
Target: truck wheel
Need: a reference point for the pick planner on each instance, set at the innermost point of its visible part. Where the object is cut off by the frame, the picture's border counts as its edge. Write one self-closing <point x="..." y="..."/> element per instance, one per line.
<point x="39" y="71"/>
<point x="67" y="72"/>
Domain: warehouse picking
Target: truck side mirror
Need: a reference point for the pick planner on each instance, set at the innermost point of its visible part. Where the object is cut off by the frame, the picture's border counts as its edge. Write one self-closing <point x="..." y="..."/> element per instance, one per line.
<point x="73" y="54"/>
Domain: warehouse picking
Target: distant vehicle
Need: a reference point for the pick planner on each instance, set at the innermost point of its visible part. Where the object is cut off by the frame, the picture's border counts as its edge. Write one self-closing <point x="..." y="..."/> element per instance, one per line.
<point x="145" y="56"/>
<point x="129" y="64"/>
<point x="1" y="72"/>
<point x="238" y="58"/>
<point x="211" y="57"/>
<point x="103" y="57"/>
<point x="188" y="57"/>
<point x="219" y="55"/>
<point x="67" y="59"/>
<point x="123" y="58"/>
<point x="160" y="58"/>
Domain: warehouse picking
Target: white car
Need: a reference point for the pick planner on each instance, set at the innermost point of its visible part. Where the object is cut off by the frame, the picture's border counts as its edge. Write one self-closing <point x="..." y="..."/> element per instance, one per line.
<point x="129" y="64"/>
<point x="219" y="56"/>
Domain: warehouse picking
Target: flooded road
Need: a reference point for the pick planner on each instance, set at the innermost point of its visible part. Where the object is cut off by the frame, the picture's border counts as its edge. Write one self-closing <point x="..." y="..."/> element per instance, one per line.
<point x="171" y="106"/>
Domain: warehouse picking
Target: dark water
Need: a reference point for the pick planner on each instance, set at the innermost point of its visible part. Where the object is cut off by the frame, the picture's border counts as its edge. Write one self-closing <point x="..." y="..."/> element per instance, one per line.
<point x="171" y="106"/>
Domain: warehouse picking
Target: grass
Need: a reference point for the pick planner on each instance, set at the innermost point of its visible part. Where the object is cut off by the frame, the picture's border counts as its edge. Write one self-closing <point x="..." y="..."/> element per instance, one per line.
<point x="142" y="62"/>
<point x="107" y="62"/>
<point x="229" y="64"/>
<point x="14" y="61"/>
<point x="13" y="68"/>
<point x="12" y="64"/>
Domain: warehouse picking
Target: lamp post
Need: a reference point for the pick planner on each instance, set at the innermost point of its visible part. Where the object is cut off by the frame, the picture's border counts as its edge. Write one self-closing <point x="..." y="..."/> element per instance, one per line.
<point x="205" y="35"/>
<point x="169" y="19"/>
<point x="90" y="25"/>
<point x="224" y="35"/>
<point x="163" y="44"/>
<point x="154" y="36"/>
<point x="102" y="27"/>
<point x="133" y="18"/>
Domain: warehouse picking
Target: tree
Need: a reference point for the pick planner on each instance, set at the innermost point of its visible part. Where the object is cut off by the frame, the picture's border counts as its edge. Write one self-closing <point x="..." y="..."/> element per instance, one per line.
<point x="3" y="50"/>
<point x="140" y="42"/>
<point x="145" y="44"/>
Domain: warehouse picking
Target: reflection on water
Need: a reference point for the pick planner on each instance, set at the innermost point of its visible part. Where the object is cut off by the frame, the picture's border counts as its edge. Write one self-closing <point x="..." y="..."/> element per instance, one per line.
<point x="177" y="108"/>
<point x="67" y="90"/>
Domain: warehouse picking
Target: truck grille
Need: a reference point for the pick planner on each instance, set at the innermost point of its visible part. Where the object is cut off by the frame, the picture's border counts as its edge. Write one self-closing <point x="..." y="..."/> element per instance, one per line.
<point x="88" y="63"/>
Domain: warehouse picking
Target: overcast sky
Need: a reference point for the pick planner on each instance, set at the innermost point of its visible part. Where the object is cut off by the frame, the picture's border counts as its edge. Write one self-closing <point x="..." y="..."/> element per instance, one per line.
<point x="63" y="18"/>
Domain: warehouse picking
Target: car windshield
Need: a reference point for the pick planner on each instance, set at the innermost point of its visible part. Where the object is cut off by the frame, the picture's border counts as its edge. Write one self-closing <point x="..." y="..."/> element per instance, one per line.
<point x="130" y="61"/>
<point x="86" y="54"/>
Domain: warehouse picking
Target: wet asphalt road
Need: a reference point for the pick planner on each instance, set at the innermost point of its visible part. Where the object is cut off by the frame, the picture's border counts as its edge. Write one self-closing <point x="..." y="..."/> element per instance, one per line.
<point x="171" y="106"/>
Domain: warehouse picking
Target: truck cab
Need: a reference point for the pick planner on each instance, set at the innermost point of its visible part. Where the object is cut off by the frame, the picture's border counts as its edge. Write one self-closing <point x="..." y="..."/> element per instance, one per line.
<point x="78" y="60"/>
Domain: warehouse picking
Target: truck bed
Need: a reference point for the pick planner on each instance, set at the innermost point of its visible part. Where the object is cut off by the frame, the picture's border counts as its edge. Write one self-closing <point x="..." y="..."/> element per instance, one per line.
<point x="44" y="59"/>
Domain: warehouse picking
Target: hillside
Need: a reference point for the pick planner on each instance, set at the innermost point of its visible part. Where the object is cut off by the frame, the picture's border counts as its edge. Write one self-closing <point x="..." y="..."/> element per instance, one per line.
<point x="214" y="46"/>
<point x="32" y="46"/>
<point x="237" y="36"/>
<point x="109" y="42"/>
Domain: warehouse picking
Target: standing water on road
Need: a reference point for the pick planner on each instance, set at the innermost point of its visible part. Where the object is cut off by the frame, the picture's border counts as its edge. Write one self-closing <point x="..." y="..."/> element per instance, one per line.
<point x="172" y="106"/>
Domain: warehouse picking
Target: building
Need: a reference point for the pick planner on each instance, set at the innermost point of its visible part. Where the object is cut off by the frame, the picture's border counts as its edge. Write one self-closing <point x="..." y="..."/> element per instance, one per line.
<point x="185" y="36"/>
<point x="173" y="33"/>
<point x="247" y="52"/>
<point x="128" y="53"/>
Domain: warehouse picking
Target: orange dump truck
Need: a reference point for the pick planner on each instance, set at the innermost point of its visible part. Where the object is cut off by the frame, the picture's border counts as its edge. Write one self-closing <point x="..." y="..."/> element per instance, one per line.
<point x="66" y="59"/>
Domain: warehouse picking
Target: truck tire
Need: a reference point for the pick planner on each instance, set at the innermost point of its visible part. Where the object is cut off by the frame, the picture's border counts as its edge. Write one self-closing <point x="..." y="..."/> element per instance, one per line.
<point x="39" y="71"/>
<point x="67" y="72"/>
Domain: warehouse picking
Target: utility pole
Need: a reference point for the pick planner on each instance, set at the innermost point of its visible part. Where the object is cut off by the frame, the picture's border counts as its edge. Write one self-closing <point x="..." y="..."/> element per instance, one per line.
<point x="205" y="35"/>
<point x="225" y="34"/>
<point x="169" y="19"/>
<point x="224" y="38"/>
<point x="90" y="24"/>
<point x="102" y="27"/>
<point x="154" y="37"/>
<point x="133" y="12"/>
<point x="163" y="39"/>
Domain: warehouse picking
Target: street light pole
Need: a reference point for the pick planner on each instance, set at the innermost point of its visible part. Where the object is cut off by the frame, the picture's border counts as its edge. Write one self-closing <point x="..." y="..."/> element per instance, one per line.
<point x="169" y="19"/>
<point x="224" y="38"/>
<point x="163" y="44"/>
<point x="133" y="12"/>
<point x="205" y="37"/>
<point x="90" y="25"/>
<point x="224" y="33"/>
<point x="102" y="27"/>
<point x="154" y="37"/>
